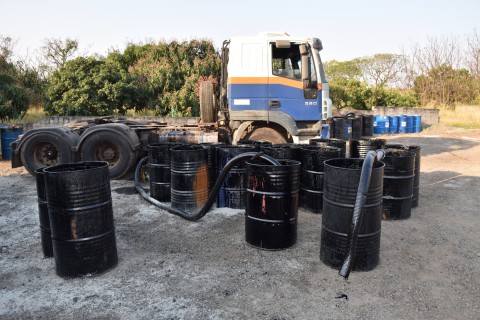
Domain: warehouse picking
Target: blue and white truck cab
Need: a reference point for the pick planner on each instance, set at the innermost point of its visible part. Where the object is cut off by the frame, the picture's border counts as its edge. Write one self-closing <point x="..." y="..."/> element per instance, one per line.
<point x="273" y="88"/>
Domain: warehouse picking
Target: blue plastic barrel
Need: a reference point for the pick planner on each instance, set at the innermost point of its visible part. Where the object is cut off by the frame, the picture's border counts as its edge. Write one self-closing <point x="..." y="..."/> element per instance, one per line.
<point x="393" y="124"/>
<point x="402" y="123"/>
<point x="409" y="128"/>
<point x="9" y="136"/>
<point x="417" y="123"/>
<point x="380" y="124"/>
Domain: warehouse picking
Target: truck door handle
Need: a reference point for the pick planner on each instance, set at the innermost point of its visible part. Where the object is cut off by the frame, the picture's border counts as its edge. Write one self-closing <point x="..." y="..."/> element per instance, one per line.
<point x="274" y="103"/>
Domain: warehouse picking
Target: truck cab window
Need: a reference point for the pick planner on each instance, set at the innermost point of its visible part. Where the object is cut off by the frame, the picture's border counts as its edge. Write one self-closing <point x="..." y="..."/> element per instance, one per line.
<point x="286" y="62"/>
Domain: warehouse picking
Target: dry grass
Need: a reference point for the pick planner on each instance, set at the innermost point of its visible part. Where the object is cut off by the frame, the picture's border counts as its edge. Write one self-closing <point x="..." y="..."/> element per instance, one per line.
<point x="33" y="114"/>
<point x="143" y="113"/>
<point x="467" y="117"/>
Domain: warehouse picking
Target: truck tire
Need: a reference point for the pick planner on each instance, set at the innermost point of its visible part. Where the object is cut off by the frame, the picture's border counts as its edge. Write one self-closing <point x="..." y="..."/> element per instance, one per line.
<point x="112" y="148"/>
<point x="266" y="134"/>
<point x="45" y="150"/>
<point x="207" y="108"/>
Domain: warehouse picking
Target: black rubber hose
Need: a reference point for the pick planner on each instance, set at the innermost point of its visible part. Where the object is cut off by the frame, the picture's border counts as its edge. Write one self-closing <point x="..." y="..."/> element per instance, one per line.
<point x="357" y="216"/>
<point x="211" y="198"/>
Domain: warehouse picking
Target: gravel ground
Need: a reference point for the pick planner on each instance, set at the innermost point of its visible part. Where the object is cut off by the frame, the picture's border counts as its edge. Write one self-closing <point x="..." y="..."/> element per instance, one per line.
<point x="170" y="268"/>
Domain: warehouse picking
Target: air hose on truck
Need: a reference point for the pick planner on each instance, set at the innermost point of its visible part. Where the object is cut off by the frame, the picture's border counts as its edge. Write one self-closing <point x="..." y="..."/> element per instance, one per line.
<point x="211" y="199"/>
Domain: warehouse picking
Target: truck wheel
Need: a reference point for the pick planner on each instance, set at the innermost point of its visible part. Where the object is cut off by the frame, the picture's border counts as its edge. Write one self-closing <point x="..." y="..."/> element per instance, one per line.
<point x="266" y="134"/>
<point x="207" y="109"/>
<point x="44" y="150"/>
<point x="112" y="148"/>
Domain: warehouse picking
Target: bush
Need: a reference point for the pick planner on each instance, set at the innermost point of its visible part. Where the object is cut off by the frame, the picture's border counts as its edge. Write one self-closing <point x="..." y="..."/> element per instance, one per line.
<point x="93" y="87"/>
<point x="397" y="98"/>
<point x="160" y="77"/>
<point x="349" y="93"/>
<point x="13" y="99"/>
<point x="355" y="94"/>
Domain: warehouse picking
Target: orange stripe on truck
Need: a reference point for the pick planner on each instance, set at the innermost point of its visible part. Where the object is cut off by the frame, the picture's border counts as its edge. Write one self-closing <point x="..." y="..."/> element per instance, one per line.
<point x="268" y="80"/>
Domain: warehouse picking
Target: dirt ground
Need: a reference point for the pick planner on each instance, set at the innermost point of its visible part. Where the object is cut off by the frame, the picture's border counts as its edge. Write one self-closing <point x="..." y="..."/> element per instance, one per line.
<point x="170" y="268"/>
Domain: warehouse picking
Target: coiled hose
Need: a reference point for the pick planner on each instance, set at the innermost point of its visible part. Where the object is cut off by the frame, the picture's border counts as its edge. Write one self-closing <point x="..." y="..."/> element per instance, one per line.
<point x="211" y="198"/>
<point x="357" y="215"/>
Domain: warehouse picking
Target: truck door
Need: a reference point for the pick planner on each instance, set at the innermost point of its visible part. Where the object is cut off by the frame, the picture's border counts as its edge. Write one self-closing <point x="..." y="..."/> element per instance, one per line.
<point x="292" y="81"/>
<point x="247" y="84"/>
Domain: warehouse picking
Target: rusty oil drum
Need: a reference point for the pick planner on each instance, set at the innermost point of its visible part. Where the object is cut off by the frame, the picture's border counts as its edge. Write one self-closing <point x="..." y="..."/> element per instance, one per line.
<point x="189" y="177"/>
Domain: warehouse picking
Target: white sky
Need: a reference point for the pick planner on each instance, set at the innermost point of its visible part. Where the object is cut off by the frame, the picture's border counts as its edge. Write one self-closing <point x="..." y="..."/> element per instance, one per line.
<point x="348" y="29"/>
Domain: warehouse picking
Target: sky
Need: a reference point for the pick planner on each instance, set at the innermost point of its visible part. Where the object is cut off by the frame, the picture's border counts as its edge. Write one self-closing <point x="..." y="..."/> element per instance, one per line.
<point x="348" y="29"/>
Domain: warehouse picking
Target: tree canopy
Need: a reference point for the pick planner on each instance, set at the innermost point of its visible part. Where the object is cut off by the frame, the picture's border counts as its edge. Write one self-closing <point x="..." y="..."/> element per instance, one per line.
<point x="171" y="72"/>
<point x="20" y="85"/>
<point x="161" y="77"/>
<point x="88" y="86"/>
<point x="446" y="86"/>
<point x="364" y="82"/>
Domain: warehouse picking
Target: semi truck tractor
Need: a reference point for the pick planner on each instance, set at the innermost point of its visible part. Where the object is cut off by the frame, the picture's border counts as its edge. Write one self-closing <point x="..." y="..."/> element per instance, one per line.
<point x="272" y="88"/>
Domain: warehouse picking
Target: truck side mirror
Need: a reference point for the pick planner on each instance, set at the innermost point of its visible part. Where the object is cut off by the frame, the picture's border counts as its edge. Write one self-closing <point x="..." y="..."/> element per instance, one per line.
<point x="305" y="70"/>
<point x="305" y="66"/>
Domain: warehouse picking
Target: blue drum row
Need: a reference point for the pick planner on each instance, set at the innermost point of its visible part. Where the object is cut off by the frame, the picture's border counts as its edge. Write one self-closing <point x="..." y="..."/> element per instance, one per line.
<point x="397" y="124"/>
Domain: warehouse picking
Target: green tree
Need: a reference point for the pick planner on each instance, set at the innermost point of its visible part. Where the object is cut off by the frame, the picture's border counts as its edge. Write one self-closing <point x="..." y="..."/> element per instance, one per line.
<point x="343" y="69"/>
<point x="346" y="88"/>
<point x="14" y="98"/>
<point x="6" y="50"/>
<point x="90" y="86"/>
<point x="380" y="71"/>
<point x="171" y="71"/>
<point x="163" y="77"/>
<point x="350" y="93"/>
<point x="20" y="85"/>
<point x="133" y="53"/>
<point x="445" y="85"/>
<point x="58" y="52"/>
<point x="363" y="82"/>
<point x="395" y="98"/>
